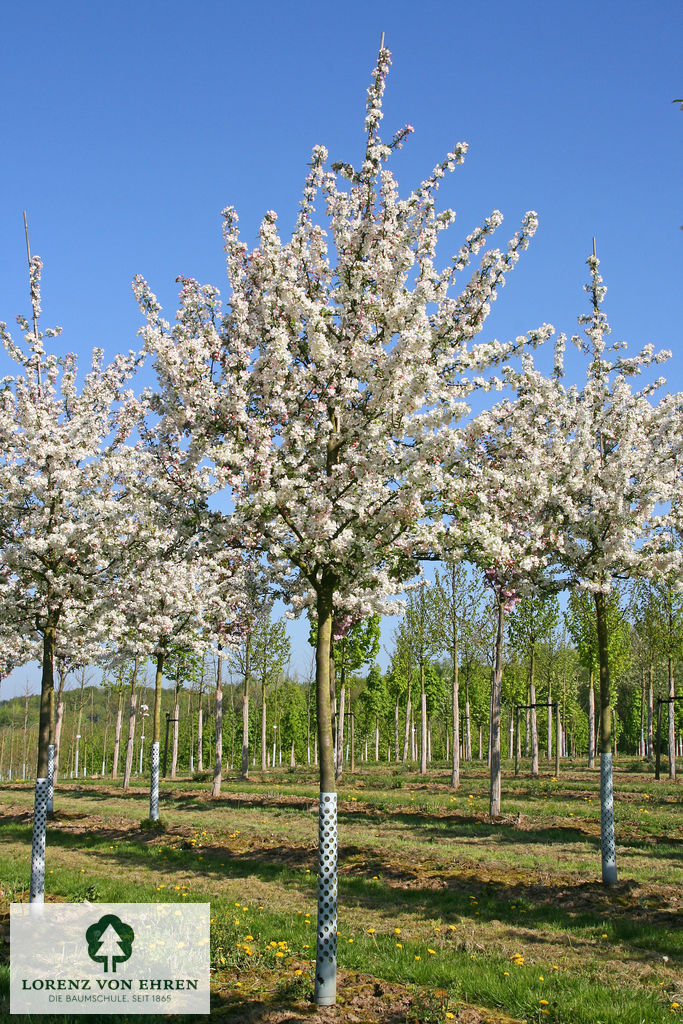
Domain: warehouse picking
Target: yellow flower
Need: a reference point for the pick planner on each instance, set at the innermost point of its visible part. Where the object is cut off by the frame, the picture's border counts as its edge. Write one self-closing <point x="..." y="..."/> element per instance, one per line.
<point x="543" y="1002"/>
<point x="298" y="971"/>
<point x="397" y="931"/>
<point x="305" y="945"/>
<point x="399" y="945"/>
<point x="555" y="967"/>
<point x="279" y="953"/>
<point x="350" y="940"/>
<point x="418" y="957"/>
<point x="248" y="938"/>
<point x="541" y="978"/>
<point x="432" y="951"/>
<point x="506" y="974"/>
<point x="604" y="935"/>
<point x="371" y="931"/>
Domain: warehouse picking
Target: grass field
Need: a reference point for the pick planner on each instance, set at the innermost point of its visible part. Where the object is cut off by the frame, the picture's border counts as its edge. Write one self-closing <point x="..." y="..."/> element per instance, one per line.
<point x="442" y="916"/>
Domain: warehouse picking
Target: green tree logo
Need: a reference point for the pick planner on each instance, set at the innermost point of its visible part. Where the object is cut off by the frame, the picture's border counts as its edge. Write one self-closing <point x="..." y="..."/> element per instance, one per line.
<point x="110" y="941"/>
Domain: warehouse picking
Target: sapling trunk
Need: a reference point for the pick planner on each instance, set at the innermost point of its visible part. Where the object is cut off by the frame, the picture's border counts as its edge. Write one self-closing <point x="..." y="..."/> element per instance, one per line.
<point x="326" y="949"/>
<point x="51" y="756"/>
<point x="496" y="693"/>
<point x="156" y="734"/>
<point x="264" y="718"/>
<point x="423" y="722"/>
<point x="607" y="840"/>
<point x="591" y="721"/>
<point x="245" y="711"/>
<point x="672" y="719"/>
<point x="130" y="747"/>
<point x="117" y="733"/>
<point x="340" y="727"/>
<point x="533" y="721"/>
<point x="41" y="793"/>
<point x="218" y="759"/>
<point x="406" y="739"/>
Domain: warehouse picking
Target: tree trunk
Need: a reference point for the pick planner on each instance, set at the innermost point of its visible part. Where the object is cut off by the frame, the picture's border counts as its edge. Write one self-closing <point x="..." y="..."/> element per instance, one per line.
<point x="156" y="733"/>
<point x="672" y="719"/>
<point x="41" y="792"/>
<point x="395" y="729"/>
<point x="533" y="722"/>
<point x="497" y="689"/>
<point x="245" y="712"/>
<point x="468" y="731"/>
<point x="59" y="720"/>
<point x="200" y="734"/>
<point x="650" y="713"/>
<point x="264" y="738"/>
<point x="549" y="737"/>
<point x="607" y="840"/>
<point x="591" y="721"/>
<point x="455" y="763"/>
<point x="406" y="738"/>
<point x="127" y="771"/>
<point x="340" y="726"/>
<point x="117" y="733"/>
<point x="176" y="724"/>
<point x="377" y="738"/>
<point x="218" y="758"/>
<point x="326" y="950"/>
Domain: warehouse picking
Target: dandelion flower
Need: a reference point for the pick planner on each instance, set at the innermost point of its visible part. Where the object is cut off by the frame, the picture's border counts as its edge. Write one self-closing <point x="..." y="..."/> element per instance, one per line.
<point x="432" y="951"/>
<point x="371" y="931"/>
<point x="418" y="957"/>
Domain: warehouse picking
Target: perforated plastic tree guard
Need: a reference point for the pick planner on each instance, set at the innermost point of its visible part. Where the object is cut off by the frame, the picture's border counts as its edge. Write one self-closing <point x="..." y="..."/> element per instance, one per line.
<point x="607" y="843"/>
<point x="37" y="893"/>
<point x="50" y="777"/>
<point x="326" y="951"/>
<point x="154" y="784"/>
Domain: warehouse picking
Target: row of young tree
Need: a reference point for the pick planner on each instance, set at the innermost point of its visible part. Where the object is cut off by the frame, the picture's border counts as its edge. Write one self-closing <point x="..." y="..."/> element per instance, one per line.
<point x="550" y="662"/>
<point x="327" y="404"/>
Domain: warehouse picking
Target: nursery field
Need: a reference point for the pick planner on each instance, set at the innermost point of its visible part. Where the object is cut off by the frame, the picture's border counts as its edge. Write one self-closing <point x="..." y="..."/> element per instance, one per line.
<point x="442" y="915"/>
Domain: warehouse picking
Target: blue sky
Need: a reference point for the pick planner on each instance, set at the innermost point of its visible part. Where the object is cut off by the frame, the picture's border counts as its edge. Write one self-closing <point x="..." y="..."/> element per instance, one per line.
<point x="128" y="126"/>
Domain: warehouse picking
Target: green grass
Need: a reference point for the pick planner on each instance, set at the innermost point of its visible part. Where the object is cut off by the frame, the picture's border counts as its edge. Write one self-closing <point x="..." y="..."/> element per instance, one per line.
<point x="421" y="869"/>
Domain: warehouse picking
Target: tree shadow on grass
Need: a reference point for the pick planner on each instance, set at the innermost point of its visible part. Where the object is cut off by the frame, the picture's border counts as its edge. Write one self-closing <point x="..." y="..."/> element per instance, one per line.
<point x="457" y="897"/>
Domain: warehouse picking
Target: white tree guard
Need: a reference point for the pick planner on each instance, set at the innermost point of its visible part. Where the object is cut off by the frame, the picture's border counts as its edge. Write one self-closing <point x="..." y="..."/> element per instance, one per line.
<point x="326" y="951"/>
<point x="154" y="784"/>
<point x="37" y="894"/>
<point x="50" y="777"/>
<point x="607" y="841"/>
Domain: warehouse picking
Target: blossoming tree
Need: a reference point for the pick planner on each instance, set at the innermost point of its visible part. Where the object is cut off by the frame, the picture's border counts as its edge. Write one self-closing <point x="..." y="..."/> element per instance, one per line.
<point x="327" y="394"/>
<point x="63" y="455"/>
<point x="603" y="462"/>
